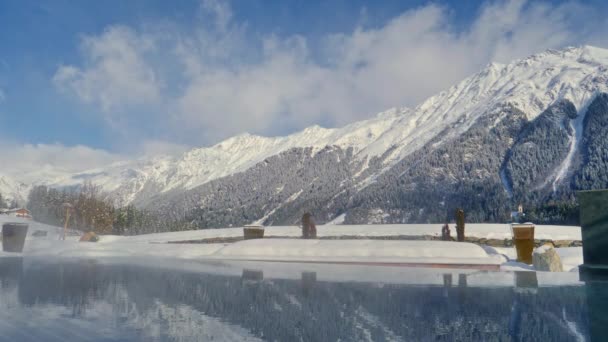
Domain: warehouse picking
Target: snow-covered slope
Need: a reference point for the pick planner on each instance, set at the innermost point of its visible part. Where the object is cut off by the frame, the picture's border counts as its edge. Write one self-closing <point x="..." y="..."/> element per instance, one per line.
<point x="11" y="189"/>
<point x="127" y="180"/>
<point x="530" y="84"/>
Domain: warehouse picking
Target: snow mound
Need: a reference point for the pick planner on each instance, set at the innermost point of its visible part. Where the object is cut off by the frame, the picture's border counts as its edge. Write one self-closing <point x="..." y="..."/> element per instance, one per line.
<point x="354" y="248"/>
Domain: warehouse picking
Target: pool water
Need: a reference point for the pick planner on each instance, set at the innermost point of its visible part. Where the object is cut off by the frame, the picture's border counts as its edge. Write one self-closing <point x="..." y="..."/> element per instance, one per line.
<point x="44" y="300"/>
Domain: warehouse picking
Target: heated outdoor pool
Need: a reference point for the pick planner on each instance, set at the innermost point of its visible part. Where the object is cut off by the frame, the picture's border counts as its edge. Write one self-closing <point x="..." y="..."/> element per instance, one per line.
<point x="78" y="300"/>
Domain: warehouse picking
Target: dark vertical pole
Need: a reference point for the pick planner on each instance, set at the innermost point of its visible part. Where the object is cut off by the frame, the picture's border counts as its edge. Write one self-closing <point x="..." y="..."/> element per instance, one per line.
<point x="594" y="226"/>
<point x="594" y="271"/>
<point x="460" y="224"/>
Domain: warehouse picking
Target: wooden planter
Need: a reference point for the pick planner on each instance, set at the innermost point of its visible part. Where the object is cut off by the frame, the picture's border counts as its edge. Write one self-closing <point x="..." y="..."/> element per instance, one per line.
<point x="523" y="239"/>
<point x="253" y="232"/>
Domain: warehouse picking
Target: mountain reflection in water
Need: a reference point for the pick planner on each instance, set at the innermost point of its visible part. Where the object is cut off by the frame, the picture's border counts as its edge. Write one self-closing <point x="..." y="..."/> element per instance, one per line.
<point x="88" y="301"/>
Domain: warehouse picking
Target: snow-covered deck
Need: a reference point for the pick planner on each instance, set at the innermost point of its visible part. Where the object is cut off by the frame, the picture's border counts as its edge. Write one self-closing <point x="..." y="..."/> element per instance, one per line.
<point x="285" y="248"/>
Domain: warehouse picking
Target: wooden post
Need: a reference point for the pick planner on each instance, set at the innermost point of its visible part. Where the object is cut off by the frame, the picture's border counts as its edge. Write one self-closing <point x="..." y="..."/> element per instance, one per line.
<point x="445" y="233"/>
<point x="460" y="225"/>
<point x="68" y="212"/>
<point x="309" y="230"/>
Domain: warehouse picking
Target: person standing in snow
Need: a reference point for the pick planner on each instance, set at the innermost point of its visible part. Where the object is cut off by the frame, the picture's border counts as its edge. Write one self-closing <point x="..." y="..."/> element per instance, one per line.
<point x="309" y="229"/>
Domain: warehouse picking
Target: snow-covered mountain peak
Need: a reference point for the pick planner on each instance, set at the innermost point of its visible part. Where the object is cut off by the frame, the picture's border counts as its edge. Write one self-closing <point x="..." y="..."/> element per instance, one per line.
<point x="593" y="56"/>
<point x="580" y="54"/>
<point x="237" y="141"/>
<point x="531" y="84"/>
<point x="391" y="113"/>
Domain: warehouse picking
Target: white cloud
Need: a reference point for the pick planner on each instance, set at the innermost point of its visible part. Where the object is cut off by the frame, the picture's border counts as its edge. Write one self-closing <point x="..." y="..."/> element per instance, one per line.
<point x="233" y="81"/>
<point x="40" y="163"/>
<point x="31" y="163"/>
<point x="517" y="28"/>
<point x="115" y="72"/>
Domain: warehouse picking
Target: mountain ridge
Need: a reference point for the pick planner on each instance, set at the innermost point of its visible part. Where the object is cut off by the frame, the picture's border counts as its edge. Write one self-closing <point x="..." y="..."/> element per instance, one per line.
<point x="530" y="85"/>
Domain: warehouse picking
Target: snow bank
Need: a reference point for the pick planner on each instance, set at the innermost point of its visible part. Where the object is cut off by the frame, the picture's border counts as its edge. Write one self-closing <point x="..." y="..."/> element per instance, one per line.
<point x="478" y="230"/>
<point x="364" y="251"/>
<point x="75" y="249"/>
<point x="285" y="250"/>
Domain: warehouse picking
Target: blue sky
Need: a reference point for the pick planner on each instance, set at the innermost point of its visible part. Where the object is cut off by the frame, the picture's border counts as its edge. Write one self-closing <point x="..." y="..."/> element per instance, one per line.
<point x="38" y="36"/>
<point x="126" y="78"/>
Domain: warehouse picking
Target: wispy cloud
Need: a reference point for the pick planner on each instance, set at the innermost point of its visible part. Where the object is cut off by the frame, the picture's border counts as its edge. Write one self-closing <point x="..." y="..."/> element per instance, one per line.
<point x="221" y="11"/>
<point x="219" y="79"/>
<point x="33" y="162"/>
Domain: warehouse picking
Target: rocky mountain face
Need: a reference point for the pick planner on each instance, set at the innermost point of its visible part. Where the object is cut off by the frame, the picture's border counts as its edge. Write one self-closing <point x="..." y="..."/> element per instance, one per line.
<point x="532" y="132"/>
<point x="12" y="191"/>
